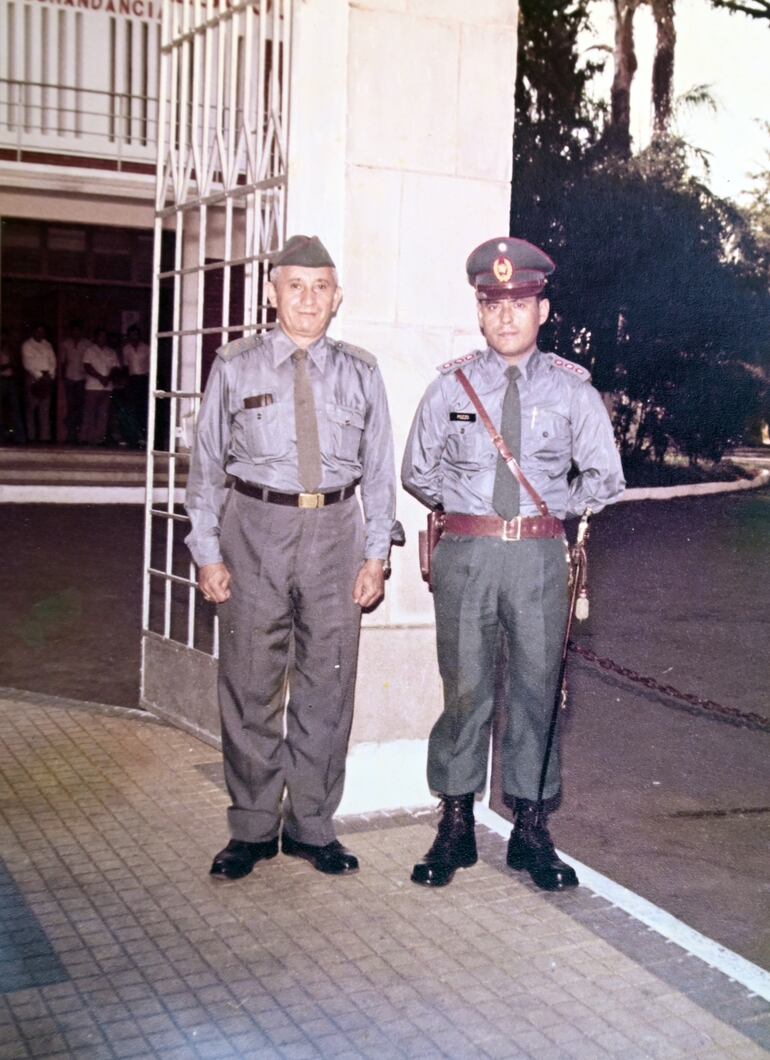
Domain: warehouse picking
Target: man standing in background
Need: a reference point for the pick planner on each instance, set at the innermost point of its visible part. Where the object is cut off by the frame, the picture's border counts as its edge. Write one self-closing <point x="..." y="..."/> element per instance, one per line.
<point x="71" y="353"/>
<point x="11" y="421"/>
<point x="39" y="363"/>
<point x="100" y="362"/>
<point x="136" y="361"/>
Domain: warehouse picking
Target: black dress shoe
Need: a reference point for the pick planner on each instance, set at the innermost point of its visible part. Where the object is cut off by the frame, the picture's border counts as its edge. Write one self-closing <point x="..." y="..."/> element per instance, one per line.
<point x="454" y="846"/>
<point x="239" y="858"/>
<point x="333" y="859"/>
<point x="531" y="848"/>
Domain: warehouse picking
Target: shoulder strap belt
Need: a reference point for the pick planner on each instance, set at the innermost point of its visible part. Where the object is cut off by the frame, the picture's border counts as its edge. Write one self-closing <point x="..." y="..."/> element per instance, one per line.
<point x="499" y="443"/>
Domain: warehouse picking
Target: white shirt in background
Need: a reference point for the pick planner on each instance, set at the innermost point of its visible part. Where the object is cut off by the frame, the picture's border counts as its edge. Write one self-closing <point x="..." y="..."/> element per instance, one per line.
<point x="137" y="358"/>
<point x="38" y="357"/>
<point x="103" y="359"/>
<point x="71" y="355"/>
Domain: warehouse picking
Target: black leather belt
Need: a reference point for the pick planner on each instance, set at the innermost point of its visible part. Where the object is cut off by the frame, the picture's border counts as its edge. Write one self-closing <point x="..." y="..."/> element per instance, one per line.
<point x="295" y="500"/>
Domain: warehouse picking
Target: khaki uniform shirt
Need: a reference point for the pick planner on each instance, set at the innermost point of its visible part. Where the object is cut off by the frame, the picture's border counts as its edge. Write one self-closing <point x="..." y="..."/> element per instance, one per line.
<point x="450" y="459"/>
<point x="246" y="429"/>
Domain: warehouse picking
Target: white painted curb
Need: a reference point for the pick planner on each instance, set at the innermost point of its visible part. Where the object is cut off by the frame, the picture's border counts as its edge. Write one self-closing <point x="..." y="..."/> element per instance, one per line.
<point x="50" y="494"/>
<point x="29" y="494"/>
<point x="731" y="964"/>
<point x="392" y="777"/>
<point x="665" y="493"/>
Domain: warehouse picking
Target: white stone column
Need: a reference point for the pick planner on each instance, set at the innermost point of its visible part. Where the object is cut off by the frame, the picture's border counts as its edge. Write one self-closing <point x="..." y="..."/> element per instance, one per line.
<point x="400" y="160"/>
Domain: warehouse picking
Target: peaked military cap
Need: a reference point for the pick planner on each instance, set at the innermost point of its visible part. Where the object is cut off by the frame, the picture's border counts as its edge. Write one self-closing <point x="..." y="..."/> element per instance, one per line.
<point x="308" y="251"/>
<point x="507" y="268"/>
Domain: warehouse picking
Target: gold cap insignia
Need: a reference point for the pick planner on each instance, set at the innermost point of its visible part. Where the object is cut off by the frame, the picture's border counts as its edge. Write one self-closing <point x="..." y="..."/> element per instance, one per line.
<point x="503" y="269"/>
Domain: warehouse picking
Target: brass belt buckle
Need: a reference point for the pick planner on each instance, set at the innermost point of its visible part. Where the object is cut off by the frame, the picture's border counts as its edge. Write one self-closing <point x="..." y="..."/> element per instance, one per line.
<point x="311" y="500"/>
<point x="512" y="529"/>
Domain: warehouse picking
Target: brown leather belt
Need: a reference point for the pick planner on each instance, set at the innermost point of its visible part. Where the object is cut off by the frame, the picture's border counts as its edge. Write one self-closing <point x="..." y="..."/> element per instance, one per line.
<point x="522" y="528"/>
<point x="295" y="500"/>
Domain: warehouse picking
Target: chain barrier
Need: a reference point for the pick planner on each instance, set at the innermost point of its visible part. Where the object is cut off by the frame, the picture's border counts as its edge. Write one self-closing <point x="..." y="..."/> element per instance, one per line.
<point x="756" y="721"/>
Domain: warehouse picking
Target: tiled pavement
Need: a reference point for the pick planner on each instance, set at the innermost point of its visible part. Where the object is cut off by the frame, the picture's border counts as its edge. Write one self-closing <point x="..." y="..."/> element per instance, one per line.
<point x="115" y="943"/>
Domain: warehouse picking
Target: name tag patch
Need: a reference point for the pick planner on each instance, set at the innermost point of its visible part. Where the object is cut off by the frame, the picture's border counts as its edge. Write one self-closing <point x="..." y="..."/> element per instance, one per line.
<point x="462" y="417"/>
<point x="257" y="401"/>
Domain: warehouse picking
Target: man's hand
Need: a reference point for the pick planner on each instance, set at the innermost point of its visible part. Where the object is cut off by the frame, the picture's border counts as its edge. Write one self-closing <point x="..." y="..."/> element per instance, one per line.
<point x="214" y="582"/>
<point x="370" y="583"/>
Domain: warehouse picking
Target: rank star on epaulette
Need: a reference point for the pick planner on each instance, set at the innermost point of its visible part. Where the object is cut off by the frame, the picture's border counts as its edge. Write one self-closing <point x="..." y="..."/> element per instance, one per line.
<point x="458" y="362"/>
<point x="575" y="370"/>
<point x="569" y="366"/>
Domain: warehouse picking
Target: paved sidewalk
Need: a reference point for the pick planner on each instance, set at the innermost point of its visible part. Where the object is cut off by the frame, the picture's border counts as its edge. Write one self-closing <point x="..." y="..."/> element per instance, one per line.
<point x="115" y="943"/>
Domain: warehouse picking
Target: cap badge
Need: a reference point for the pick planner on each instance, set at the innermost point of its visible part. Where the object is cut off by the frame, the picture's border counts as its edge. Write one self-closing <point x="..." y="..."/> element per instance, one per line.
<point x="503" y="269"/>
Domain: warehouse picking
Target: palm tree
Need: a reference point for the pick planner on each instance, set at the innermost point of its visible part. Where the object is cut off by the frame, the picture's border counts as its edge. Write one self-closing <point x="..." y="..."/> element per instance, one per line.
<point x="625" y="62"/>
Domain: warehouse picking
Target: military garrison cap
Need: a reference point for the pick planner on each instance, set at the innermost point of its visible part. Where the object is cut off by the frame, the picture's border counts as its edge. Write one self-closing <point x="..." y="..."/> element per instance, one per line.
<point x="507" y="268"/>
<point x="302" y="250"/>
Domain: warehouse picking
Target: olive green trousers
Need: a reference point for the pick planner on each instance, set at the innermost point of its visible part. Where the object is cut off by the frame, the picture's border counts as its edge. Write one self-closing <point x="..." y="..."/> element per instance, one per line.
<point x="482" y="587"/>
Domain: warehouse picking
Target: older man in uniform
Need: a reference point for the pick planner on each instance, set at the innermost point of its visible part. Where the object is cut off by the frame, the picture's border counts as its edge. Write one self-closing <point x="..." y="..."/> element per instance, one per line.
<point x="297" y="421"/>
<point x="501" y="564"/>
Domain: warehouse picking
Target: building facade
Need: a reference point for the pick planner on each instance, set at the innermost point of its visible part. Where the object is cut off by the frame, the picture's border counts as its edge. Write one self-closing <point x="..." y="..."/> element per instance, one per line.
<point x="78" y="133"/>
<point x="383" y="126"/>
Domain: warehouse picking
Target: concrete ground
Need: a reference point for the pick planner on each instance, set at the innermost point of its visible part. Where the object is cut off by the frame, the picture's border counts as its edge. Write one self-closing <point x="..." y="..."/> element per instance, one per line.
<point x="115" y="942"/>
<point x="675" y="804"/>
<point x="671" y="803"/>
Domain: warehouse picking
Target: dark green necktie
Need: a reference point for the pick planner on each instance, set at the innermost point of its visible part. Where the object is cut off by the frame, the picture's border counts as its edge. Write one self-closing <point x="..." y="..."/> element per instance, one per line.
<point x="505" y="496"/>
<point x="308" y="448"/>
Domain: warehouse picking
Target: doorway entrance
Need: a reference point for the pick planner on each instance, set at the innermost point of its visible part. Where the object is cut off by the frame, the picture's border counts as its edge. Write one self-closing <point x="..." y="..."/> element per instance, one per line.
<point x="55" y="274"/>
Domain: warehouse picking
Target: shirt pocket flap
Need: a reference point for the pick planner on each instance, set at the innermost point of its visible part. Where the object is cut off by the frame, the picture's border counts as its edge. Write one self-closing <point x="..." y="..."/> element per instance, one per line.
<point x="345" y="417"/>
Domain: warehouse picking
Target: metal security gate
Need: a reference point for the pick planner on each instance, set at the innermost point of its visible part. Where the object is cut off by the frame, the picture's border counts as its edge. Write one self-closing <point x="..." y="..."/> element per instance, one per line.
<point x="219" y="210"/>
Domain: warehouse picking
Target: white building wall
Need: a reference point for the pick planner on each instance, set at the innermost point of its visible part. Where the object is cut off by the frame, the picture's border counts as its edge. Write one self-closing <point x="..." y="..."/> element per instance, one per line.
<point x="401" y="131"/>
<point x="400" y="159"/>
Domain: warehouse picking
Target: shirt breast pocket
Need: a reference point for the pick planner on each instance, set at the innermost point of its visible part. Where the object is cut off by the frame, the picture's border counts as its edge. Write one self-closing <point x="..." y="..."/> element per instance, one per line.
<point x="548" y="436"/>
<point x="266" y="430"/>
<point x="346" y="428"/>
<point x="463" y="446"/>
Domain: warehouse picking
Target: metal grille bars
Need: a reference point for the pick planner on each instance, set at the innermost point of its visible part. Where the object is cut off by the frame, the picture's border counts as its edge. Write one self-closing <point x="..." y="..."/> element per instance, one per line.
<point x="219" y="208"/>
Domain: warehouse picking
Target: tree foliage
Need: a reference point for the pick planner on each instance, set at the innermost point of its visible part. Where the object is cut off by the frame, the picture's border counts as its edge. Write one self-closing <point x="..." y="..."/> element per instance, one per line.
<point x="757" y="211"/>
<point x="660" y="288"/>
<point x="753" y="8"/>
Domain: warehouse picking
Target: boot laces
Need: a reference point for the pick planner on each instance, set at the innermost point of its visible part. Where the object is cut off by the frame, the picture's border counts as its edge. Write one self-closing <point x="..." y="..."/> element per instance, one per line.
<point x="454" y="818"/>
<point x="534" y="832"/>
<point x="455" y="826"/>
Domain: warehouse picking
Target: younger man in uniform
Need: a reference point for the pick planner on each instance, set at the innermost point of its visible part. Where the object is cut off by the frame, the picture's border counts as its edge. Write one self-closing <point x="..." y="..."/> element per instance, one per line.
<point x="498" y="565"/>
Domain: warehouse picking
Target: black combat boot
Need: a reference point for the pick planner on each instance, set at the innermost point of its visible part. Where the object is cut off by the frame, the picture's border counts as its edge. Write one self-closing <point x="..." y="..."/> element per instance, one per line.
<point x="454" y="846"/>
<point x="531" y="847"/>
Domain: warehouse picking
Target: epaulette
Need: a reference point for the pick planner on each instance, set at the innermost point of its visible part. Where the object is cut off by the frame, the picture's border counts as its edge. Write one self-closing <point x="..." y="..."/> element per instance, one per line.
<point x="232" y="349"/>
<point x="575" y="370"/>
<point x="458" y="362"/>
<point x="354" y="351"/>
